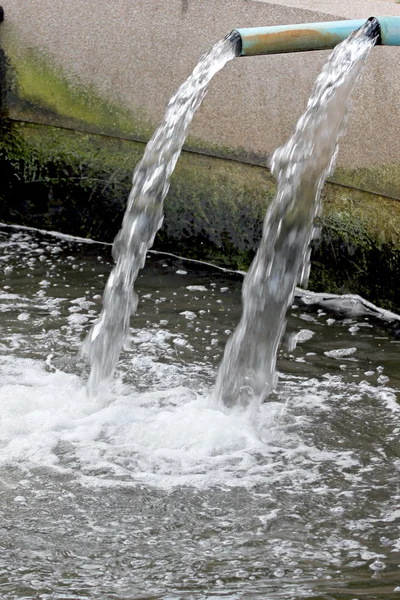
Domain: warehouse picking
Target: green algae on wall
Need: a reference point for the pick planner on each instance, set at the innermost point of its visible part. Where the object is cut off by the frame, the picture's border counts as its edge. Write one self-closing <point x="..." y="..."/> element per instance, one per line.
<point x="78" y="183"/>
<point x="383" y="180"/>
<point x="38" y="90"/>
<point x="63" y="180"/>
<point x="358" y="250"/>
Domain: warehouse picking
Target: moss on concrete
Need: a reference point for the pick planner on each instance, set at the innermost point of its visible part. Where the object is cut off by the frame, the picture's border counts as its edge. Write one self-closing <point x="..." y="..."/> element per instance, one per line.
<point x="220" y="204"/>
<point x="35" y="89"/>
<point x="78" y="183"/>
<point x="64" y="180"/>
<point x="38" y="90"/>
<point x="358" y="250"/>
<point x="383" y="180"/>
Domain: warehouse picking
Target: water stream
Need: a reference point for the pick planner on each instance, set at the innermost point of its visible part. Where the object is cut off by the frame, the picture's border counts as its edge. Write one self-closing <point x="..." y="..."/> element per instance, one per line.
<point x="144" y="214"/>
<point x="247" y="372"/>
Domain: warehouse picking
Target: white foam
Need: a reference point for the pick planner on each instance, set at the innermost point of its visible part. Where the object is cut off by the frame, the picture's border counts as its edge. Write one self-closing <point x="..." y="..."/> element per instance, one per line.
<point x="340" y="352"/>
<point x="164" y="438"/>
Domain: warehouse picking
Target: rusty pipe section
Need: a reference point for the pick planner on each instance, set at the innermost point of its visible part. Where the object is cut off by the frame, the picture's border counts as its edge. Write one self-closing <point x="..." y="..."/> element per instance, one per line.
<point x="311" y="36"/>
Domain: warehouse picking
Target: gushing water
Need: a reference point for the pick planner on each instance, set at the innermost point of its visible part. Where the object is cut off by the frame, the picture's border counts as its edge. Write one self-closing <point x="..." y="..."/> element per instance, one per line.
<point x="144" y="214"/>
<point x="247" y="372"/>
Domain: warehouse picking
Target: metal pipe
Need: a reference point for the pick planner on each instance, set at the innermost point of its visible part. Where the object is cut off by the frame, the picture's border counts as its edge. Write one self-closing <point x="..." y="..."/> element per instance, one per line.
<point x="311" y="36"/>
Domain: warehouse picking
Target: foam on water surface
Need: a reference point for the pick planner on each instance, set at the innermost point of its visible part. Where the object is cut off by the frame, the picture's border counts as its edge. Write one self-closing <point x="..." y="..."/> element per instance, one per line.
<point x="172" y="436"/>
<point x="165" y="438"/>
<point x="148" y="487"/>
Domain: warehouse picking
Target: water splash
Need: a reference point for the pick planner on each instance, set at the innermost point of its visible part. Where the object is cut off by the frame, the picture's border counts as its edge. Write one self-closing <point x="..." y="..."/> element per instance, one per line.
<point x="144" y="214"/>
<point x="247" y="372"/>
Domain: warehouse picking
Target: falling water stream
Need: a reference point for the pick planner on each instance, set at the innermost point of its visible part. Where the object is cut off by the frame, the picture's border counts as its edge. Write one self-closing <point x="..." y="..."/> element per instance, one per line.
<point x="301" y="166"/>
<point x="144" y="214"/>
<point x="148" y="490"/>
<point x="247" y="372"/>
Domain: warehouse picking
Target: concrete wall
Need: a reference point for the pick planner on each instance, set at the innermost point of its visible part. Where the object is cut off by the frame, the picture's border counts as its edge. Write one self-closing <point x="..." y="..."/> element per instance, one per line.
<point x="111" y="66"/>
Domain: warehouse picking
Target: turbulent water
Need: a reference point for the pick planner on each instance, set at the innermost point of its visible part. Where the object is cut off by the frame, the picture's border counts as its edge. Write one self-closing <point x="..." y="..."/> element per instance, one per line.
<point x="144" y="214"/>
<point x="301" y="166"/>
<point x="152" y="493"/>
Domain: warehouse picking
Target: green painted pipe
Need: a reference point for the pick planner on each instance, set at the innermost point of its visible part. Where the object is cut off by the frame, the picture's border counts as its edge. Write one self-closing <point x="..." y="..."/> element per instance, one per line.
<point x="311" y="36"/>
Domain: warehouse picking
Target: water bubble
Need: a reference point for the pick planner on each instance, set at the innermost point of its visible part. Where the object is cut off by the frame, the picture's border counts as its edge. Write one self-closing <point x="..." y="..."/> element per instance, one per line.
<point x="340" y="352"/>
<point x="188" y="314"/>
<point x="377" y="565"/>
<point x="24" y="316"/>
<point x="337" y="510"/>
<point x="179" y="342"/>
<point x="385" y="541"/>
<point x="196" y="288"/>
<point x="242" y="574"/>
<point x="279" y="573"/>
<point x="20" y="499"/>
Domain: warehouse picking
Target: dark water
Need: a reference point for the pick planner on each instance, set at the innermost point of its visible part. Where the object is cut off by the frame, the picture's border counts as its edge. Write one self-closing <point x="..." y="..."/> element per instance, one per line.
<point x="151" y="492"/>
